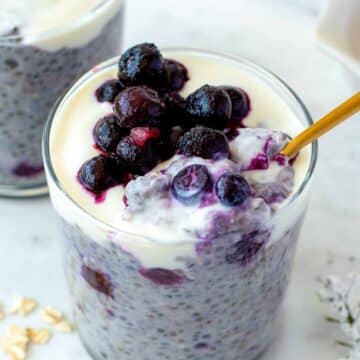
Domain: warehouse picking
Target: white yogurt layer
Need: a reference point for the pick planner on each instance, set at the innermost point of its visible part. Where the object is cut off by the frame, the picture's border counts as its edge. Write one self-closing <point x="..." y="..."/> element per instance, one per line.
<point x="165" y="238"/>
<point x="53" y="24"/>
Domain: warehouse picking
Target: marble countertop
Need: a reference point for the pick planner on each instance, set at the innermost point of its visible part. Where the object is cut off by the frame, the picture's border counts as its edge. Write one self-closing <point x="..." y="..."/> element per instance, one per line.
<point x="279" y="35"/>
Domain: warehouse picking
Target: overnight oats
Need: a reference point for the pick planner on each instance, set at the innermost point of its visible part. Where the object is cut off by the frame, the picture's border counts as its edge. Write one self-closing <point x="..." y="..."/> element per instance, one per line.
<point x="179" y="218"/>
<point x="44" y="46"/>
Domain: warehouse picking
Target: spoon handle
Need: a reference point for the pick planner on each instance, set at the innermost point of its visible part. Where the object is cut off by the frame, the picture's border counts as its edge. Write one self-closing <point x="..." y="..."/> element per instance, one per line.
<point x="326" y="123"/>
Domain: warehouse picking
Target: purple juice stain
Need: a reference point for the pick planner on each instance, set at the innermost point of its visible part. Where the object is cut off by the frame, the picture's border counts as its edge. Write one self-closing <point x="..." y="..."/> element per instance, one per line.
<point x="293" y="159"/>
<point x="100" y="197"/>
<point x="163" y="276"/>
<point x="207" y="200"/>
<point x="25" y="169"/>
<point x="110" y="313"/>
<point x="245" y="249"/>
<point x="280" y="159"/>
<point x="125" y="201"/>
<point x="97" y="280"/>
<point x="260" y="162"/>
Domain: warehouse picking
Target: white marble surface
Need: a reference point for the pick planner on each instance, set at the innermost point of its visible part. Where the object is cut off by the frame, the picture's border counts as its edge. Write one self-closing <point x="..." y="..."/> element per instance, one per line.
<point x="279" y="35"/>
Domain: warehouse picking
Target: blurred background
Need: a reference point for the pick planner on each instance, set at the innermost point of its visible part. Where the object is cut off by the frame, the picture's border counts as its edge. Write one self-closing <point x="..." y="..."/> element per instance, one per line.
<point x="280" y="35"/>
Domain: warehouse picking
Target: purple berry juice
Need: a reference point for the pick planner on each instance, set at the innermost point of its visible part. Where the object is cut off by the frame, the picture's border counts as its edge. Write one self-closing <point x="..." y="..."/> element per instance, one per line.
<point x="44" y="47"/>
<point x="179" y="219"/>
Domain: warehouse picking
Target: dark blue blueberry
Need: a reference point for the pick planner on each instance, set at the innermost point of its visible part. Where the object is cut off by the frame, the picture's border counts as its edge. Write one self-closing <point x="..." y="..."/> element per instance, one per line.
<point x="107" y="133"/>
<point x="175" y="75"/>
<point x="204" y="142"/>
<point x="209" y="106"/>
<point x="232" y="189"/>
<point x="139" y="106"/>
<point x="109" y="90"/>
<point x="190" y="183"/>
<point x="97" y="280"/>
<point x="142" y="64"/>
<point x="163" y="276"/>
<point x="99" y="173"/>
<point x="240" y="105"/>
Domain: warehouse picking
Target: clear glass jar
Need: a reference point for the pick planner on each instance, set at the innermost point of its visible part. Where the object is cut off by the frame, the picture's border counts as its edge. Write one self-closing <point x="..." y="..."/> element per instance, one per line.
<point x="35" y="69"/>
<point x="223" y="311"/>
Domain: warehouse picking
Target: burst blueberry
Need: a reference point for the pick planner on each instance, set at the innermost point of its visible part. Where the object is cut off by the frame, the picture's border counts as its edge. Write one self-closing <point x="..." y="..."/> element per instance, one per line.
<point x="107" y="133"/>
<point x="141" y="135"/>
<point x="99" y="173"/>
<point x="109" y="90"/>
<point x="190" y="183"/>
<point x="139" y="157"/>
<point x="142" y="64"/>
<point x="139" y="106"/>
<point x="209" y="106"/>
<point x="204" y="142"/>
<point x="232" y="189"/>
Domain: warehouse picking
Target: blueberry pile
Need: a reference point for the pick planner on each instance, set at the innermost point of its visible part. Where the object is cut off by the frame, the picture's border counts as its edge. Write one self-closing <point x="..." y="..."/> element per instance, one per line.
<point x="151" y="122"/>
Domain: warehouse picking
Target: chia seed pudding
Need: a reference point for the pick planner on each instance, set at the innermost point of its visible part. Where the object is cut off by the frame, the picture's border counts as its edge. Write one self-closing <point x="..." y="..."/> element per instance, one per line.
<point x="44" y="47"/>
<point x="179" y="218"/>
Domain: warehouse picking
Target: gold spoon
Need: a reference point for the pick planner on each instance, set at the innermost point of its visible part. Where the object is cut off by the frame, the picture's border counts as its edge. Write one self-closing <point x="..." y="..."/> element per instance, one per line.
<point x="326" y="123"/>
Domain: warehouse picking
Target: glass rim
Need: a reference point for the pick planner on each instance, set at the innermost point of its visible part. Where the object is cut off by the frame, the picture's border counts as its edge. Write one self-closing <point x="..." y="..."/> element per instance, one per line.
<point x="15" y="39"/>
<point x="111" y="62"/>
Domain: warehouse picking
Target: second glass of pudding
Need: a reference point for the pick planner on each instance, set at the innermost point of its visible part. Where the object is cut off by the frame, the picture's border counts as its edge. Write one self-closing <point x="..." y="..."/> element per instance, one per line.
<point x="44" y="47"/>
<point x="158" y="269"/>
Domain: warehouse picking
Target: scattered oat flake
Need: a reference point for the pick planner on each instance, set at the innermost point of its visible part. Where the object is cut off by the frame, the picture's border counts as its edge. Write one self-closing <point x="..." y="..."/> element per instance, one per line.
<point x="16" y="352"/>
<point x="63" y="326"/>
<point x="15" y="342"/>
<point x="23" y="305"/>
<point x="51" y="316"/>
<point x="40" y="337"/>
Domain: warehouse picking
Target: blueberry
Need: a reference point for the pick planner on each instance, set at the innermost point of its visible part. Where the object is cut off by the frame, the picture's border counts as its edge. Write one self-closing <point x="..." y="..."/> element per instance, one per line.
<point x="176" y="75"/>
<point x="190" y="183"/>
<point x="204" y="142"/>
<point x="137" y="157"/>
<point x="97" y="280"/>
<point x="240" y="104"/>
<point x="209" y="106"/>
<point x="232" y="189"/>
<point x="107" y="133"/>
<point x="139" y="106"/>
<point x="142" y="64"/>
<point x="109" y="90"/>
<point x="176" y="113"/>
<point x="163" y="276"/>
<point x="99" y="173"/>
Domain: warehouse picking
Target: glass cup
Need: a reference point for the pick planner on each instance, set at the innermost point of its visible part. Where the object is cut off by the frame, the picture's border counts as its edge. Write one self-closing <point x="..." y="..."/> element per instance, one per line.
<point x="34" y="72"/>
<point x="227" y="307"/>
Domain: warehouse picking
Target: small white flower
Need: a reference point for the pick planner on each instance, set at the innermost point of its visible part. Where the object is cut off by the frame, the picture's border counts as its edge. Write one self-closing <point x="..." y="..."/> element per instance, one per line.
<point x="343" y="298"/>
